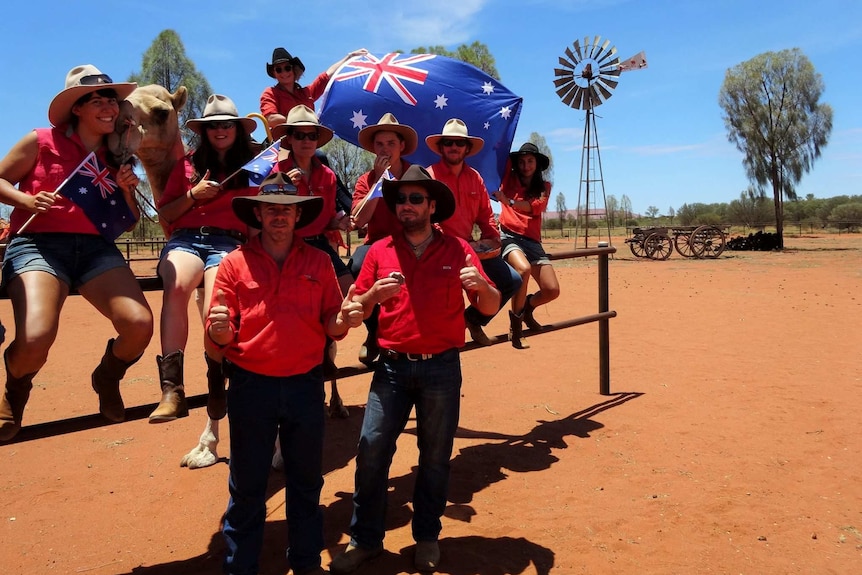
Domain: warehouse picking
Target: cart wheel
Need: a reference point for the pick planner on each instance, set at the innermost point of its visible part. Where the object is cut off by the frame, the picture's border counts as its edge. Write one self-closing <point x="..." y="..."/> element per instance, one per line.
<point x="637" y="248"/>
<point x="682" y="243"/>
<point x="707" y="242"/>
<point x="658" y="246"/>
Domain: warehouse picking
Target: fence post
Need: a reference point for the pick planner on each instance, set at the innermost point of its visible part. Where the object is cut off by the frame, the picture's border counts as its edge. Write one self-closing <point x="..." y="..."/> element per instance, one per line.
<point x="604" y="325"/>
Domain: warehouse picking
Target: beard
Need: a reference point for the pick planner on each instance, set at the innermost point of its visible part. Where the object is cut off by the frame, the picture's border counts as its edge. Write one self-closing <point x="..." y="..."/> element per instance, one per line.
<point x="414" y="225"/>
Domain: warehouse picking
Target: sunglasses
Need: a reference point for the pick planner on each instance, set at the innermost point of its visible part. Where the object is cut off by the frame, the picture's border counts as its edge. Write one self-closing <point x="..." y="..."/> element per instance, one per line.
<point x="95" y="80"/>
<point x="224" y="125"/>
<point x="447" y="142"/>
<point x="300" y="136"/>
<point x="415" y="198"/>
<point x="280" y="69"/>
<point x="277" y="189"/>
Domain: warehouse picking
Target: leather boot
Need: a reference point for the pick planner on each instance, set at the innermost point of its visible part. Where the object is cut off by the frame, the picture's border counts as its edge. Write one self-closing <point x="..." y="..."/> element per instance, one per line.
<point x="527" y="314"/>
<point x="173" y="402"/>
<point x="106" y="383"/>
<point x="12" y="404"/>
<point x="216" y="396"/>
<point x="515" y="331"/>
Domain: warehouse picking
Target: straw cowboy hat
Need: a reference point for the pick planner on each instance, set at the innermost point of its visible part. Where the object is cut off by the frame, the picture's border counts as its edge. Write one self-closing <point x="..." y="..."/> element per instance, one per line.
<point x="277" y="188"/>
<point x="219" y="108"/>
<point x="455" y="129"/>
<point x="542" y="161"/>
<point x="437" y="191"/>
<point x="388" y="123"/>
<point x="298" y="117"/>
<point x="280" y="55"/>
<point x="80" y="81"/>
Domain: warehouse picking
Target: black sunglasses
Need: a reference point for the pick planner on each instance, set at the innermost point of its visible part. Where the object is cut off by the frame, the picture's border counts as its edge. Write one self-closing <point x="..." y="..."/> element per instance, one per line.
<point x="277" y="189"/>
<point x="415" y="198"/>
<point x="95" y="80"/>
<point x="447" y="142"/>
<point x="280" y="69"/>
<point x="300" y="136"/>
<point x="223" y="125"/>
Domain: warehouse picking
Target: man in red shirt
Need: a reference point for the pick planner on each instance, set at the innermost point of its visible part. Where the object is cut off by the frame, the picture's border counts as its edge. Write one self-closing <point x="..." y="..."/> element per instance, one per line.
<point x="417" y="277"/>
<point x="275" y="300"/>
<point x="388" y="141"/>
<point x="472" y="207"/>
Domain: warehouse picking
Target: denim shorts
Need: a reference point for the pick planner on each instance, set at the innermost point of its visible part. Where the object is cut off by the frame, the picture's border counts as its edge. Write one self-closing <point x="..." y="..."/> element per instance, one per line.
<point x="74" y="259"/>
<point x="532" y="249"/>
<point x="210" y="248"/>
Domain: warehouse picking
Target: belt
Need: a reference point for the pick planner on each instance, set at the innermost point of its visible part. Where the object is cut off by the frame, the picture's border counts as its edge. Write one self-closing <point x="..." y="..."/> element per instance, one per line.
<point x="213" y="231"/>
<point x="317" y="238"/>
<point x="396" y="355"/>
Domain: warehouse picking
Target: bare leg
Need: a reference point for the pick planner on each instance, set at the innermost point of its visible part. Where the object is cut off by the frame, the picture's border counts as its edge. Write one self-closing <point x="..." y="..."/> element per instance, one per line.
<point x="37" y="298"/>
<point x="549" y="287"/>
<point x="519" y="263"/>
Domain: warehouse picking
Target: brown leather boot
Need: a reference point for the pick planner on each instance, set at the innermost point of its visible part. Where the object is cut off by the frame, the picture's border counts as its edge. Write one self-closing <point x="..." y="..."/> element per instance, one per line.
<point x="516" y="335"/>
<point x="12" y="404"/>
<point x="106" y="382"/>
<point x="173" y="403"/>
<point x="527" y="314"/>
<point x="216" y="396"/>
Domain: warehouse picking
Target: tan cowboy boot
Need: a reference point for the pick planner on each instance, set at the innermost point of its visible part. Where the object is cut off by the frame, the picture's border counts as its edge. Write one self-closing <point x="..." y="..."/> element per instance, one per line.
<point x="173" y="403"/>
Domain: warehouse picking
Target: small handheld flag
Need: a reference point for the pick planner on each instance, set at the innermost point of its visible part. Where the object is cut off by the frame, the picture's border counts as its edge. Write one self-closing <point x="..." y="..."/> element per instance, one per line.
<point x="260" y="166"/>
<point x="91" y="188"/>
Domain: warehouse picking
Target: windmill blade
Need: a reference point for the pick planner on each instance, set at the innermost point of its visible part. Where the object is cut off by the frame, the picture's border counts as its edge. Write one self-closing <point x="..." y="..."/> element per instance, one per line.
<point x="601" y="60"/>
<point x="609" y="67"/>
<point x="579" y="97"/>
<point x="571" y="61"/>
<point x="605" y="92"/>
<point x="560" y="82"/>
<point x="609" y="84"/>
<point x="569" y="94"/>
<point x="577" y="51"/>
<point x="566" y="63"/>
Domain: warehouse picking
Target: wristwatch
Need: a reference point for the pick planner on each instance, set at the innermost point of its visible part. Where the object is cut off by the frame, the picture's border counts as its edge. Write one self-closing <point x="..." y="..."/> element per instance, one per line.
<point x="511" y="202"/>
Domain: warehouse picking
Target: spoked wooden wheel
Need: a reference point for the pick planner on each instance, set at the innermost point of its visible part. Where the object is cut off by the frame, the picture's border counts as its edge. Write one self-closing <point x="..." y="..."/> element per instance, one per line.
<point x="707" y="242"/>
<point x="658" y="246"/>
<point x="637" y="248"/>
<point x="682" y="243"/>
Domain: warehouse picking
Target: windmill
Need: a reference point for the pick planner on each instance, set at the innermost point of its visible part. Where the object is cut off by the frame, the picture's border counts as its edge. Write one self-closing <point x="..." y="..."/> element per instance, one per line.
<point x="587" y="79"/>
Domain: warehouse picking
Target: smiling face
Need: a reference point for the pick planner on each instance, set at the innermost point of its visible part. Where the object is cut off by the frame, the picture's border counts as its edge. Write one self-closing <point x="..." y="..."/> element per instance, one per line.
<point x="414" y="217"/>
<point x="388" y="145"/>
<point x="221" y="135"/>
<point x="526" y="166"/>
<point x="285" y="75"/>
<point x="277" y="221"/>
<point x="97" y="112"/>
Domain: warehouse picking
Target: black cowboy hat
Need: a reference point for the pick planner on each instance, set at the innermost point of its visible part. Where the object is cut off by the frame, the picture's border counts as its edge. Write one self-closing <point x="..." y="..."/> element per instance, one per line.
<point x="277" y="189"/>
<point x="437" y="191"/>
<point x="542" y="161"/>
<point x="280" y="55"/>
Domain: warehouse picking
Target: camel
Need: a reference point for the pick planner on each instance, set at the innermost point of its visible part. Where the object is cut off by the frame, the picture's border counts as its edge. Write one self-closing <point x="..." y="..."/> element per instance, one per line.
<point x="148" y="126"/>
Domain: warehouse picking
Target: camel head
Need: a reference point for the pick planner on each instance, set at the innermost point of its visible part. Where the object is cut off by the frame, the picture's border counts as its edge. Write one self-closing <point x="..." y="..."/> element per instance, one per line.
<point x="148" y="127"/>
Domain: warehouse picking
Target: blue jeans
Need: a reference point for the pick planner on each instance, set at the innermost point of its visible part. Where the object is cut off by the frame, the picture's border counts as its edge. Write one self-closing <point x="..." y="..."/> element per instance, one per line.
<point x="507" y="280"/>
<point x="259" y="408"/>
<point x="433" y="386"/>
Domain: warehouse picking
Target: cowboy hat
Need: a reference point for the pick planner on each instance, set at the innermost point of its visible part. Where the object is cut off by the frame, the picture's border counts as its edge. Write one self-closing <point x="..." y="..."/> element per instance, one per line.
<point x="542" y="161"/>
<point x="388" y="123"/>
<point x="300" y="116"/>
<point x="455" y="129"/>
<point x="418" y="176"/>
<point x="277" y="188"/>
<point x="80" y="81"/>
<point x="280" y="55"/>
<point x="220" y="108"/>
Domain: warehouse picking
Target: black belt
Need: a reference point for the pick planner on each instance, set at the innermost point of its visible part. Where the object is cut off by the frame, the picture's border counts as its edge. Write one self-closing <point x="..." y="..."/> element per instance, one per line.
<point x="396" y="355"/>
<point x="317" y="238"/>
<point x="212" y="231"/>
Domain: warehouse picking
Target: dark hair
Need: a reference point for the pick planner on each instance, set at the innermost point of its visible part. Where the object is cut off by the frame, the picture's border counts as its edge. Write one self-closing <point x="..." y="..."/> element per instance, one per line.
<point x="205" y="158"/>
<point x="104" y="93"/>
<point x="536" y="186"/>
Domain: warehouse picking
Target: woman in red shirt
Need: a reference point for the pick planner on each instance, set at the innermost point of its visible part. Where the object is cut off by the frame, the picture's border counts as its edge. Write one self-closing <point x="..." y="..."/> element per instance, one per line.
<point x="61" y="248"/>
<point x="523" y="197"/>
<point x="196" y="205"/>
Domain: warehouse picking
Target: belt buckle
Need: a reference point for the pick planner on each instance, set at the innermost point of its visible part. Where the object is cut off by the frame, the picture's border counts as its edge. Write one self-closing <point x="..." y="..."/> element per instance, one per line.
<point x="418" y="356"/>
<point x="204" y="230"/>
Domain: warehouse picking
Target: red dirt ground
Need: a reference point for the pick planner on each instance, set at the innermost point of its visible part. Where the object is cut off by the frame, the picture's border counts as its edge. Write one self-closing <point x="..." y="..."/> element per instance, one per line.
<point x="730" y="444"/>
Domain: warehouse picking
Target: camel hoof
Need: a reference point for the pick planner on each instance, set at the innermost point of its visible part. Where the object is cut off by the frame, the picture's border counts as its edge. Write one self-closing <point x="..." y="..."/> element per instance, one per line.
<point x="338" y="410"/>
<point x="199" y="457"/>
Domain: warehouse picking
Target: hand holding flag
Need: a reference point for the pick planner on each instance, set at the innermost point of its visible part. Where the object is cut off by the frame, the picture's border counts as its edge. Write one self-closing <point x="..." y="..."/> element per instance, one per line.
<point x="260" y="166"/>
<point x="376" y="192"/>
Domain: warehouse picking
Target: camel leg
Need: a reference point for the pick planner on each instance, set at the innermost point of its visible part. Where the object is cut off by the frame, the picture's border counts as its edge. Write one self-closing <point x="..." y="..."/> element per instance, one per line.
<point x="205" y="454"/>
<point x="336" y="406"/>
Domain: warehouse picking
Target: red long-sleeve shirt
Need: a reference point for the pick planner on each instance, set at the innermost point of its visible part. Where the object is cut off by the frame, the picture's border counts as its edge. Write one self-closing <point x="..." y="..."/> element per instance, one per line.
<point x="472" y="203"/>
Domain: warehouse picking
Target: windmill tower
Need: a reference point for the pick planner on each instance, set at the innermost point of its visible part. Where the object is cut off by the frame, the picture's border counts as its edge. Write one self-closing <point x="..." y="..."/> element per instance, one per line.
<point x="587" y="79"/>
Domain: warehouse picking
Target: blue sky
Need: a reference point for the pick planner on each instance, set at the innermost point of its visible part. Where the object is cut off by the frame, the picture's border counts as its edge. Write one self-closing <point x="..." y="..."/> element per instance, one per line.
<point x="662" y="139"/>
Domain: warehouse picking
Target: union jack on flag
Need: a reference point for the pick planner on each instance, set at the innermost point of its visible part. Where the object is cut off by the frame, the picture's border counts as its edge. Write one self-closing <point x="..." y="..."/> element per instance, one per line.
<point x="260" y="166"/>
<point x="91" y="188"/>
<point x="424" y="91"/>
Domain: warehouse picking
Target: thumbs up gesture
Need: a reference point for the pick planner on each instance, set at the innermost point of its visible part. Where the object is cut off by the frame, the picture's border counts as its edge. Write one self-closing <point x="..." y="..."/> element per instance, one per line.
<point x="352" y="310"/>
<point x="471" y="279"/>
<point x="220" y="330"/>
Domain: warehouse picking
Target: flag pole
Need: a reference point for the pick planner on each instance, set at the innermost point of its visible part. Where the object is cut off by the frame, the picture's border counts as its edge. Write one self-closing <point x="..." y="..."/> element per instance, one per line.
<point x="55" y="192"/>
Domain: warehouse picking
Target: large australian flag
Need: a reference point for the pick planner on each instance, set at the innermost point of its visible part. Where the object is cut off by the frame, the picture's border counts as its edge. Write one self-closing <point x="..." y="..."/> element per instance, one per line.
<point x="424" y="91"/>
<point x="93" y="190"/>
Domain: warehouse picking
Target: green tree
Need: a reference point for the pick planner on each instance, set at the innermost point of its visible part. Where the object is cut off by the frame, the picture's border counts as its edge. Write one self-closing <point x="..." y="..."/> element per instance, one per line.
<point x="652" y="212"/>
<point x="540" y="142"/>
<point x="347" y="160"/>
<point x="773" y="114"/>
<point x="476" y="53"/>
<point x="847" y="216"/>
<point x="561" y="209"/>
<point x="165" y="63"/>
